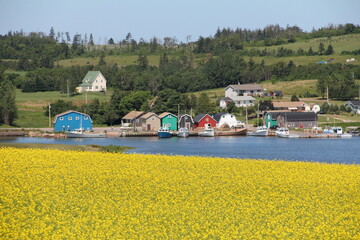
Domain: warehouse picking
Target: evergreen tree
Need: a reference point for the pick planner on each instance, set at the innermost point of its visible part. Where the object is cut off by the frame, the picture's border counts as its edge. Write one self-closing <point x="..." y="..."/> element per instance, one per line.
<point x="310" y="52"/>
<point x="52" y="33"/>
<point x="91" y="40"/>
<point x="111" y="41"/>
<point x="329" y="50"/>
<point x="321" y="48"/>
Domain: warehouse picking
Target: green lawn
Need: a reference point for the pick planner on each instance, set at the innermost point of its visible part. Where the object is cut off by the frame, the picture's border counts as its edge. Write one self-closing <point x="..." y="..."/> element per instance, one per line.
<point x="31" y="105"/>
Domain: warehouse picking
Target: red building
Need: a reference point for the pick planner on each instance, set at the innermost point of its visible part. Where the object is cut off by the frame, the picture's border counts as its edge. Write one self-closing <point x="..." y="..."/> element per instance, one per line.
<point x="203" y="120"/>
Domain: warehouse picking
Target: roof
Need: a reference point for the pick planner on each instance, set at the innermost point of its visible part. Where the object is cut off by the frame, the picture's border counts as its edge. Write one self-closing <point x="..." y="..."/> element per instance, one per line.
<point x="252" y="86"/>
<point x="90" y="77"/>
<point x="217" y="116"/>
<point x="165" y="114"/>
<point x="274" y="114"/>
<point x="133" y="115"/>
<point x="355" y="103"/>
<point x="149" y="114"/>
<point x="184" y="115"/>
<point x="225" y="99"/>
<point x="288" y="104"/>
<point x="299" y="116"/>
<point x="70" y="111"/>
<point x="199" y="117"/>
<point x="243" y="98"/>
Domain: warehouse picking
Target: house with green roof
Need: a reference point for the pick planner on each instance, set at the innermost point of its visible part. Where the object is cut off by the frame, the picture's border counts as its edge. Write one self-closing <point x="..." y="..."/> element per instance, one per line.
<point x="94" y="81"/>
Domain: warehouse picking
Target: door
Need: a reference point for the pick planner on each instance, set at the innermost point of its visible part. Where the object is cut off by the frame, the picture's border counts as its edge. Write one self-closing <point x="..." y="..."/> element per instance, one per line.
<point x="187" y="125"/>
<point x="148" y="127"/>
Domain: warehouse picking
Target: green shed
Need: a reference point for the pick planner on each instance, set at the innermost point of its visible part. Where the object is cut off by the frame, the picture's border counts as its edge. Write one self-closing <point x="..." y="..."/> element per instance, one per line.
<point x="169" y="121"/>
<point x="270" y="119"/>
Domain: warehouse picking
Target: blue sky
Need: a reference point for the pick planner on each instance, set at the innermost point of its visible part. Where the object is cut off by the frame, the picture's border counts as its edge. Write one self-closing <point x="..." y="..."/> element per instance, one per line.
<point x="166" y="18"/>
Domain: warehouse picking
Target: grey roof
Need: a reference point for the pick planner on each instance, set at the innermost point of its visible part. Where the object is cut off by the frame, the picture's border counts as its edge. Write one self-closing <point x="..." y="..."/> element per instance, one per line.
<point x="217" y="116"/>
<point x="184" y="115"/>
<point x="299" y="116"/>
<point x="252" y="86"/>
<point x="355" y="103"/>
<point x="200" y="116"/>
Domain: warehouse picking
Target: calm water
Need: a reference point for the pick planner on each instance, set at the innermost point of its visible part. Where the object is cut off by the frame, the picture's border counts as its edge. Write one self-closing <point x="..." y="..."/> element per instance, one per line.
<point x="317" y="150"/>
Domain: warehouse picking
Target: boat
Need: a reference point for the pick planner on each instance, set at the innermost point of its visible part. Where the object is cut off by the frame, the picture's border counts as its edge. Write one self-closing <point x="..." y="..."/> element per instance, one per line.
<point x="338" y="131"/>
<point x="208" y="132"/>
<point x="284" y="133"/>
<point x="183" y="132"/>
<point x="261" y="131"/>
<point x="164" y="133"/>
<point x="80" y="133"/>
<point x="234" y="132"/>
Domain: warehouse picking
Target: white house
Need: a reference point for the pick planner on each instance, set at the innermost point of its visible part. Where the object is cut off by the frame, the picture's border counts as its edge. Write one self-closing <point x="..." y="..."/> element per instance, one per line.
<point x="243" y="90"/>
<point x="314" y="107"/>
<point x="94" y="81"/>
<point x="355" y="106"/>
<point x="225" y="118"/>
<point x="243" y="101"/>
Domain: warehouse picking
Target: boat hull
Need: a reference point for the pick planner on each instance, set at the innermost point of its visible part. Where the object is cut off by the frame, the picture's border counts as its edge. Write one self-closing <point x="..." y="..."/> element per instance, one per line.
<point x="85" y="135"/>
<point x="263" y="133"/>
<point x="164" y="134"/>
<point x="239" y="132"/>
<point x="207" y="133"/>
<point x="183" y="134"/>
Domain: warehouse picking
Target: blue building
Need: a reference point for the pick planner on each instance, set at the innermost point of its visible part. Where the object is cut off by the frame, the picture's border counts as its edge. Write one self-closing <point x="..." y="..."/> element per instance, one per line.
<point x="71" y="120"/>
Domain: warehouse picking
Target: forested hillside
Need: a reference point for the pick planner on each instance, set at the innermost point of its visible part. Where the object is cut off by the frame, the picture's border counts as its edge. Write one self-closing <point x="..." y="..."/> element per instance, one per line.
<point x="58" y="61"/>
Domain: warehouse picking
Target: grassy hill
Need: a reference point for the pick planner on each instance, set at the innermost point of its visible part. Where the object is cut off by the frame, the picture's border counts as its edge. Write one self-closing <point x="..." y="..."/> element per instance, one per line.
<point x="31" y="105"/>
<point x="340" y="43"/>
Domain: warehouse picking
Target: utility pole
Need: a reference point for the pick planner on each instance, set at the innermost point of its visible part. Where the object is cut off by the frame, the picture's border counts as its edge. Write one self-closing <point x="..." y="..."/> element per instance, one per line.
<point x="67" y="86"/>
<point x="327" y="94"/>
<point x="49" y="115"/>
<point x="246" y="118"/>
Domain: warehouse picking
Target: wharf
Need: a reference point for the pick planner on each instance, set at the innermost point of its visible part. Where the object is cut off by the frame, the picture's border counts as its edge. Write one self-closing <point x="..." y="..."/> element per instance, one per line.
<point x="316" y="135"/>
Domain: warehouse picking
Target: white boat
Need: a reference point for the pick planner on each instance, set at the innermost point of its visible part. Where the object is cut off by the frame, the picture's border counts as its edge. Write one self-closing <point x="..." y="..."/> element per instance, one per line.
<point x="183" y="132"/>
<point x="260" y="131"/>
<point x="80" y="133"/>
<point x="338" y="131"/>
<point x="284" y="133"/>
<point x="208" y="132"/>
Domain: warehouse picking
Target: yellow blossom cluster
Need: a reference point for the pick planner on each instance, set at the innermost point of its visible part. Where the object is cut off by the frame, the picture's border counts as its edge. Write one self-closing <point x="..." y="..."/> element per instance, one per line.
<point x="52" y="194"/>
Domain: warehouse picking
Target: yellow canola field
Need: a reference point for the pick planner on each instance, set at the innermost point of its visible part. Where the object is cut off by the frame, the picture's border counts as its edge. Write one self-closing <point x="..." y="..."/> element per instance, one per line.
<point x="51" y="194"/>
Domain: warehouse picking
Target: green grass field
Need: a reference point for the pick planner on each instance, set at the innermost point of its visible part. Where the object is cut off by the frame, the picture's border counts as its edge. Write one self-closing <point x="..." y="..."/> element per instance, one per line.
<point x="31" y="105"/>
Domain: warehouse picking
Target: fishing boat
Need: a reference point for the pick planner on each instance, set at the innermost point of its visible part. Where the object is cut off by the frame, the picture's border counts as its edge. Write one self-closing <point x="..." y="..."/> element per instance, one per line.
<point x="284" y="133"/>
<point x="183" y="132"/>
<point x="338" y="131"/>
<point x="80" y="133"/>
<point x="164" y="133"/>
<point x="261" y="131"/>
<point x="208" y="132"/>
<point x="234" y="132"/>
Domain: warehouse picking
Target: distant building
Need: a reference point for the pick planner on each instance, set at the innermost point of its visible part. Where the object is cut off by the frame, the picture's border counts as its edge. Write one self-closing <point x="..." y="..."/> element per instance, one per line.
<point x="94" y="81"/>
<point x="169" y="121"/>
<point x="72" y="120"/>
<point x="355" y="106"/>
<point x="291" y="106"/>
<point x="132" y="118"/>
<point x="297" y="119"/>
<point x="203" y="120"/>
<point x="225" y="119"/>
<point x="244" y="90"/>
<point x="187" y="121"/>
<point x="150" y="121"/>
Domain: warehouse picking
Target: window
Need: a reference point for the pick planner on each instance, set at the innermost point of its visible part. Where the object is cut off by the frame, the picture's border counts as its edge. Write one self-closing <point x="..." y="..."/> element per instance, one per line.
<point x="207" y="119"/>
<point x="152" y="119"/>
<point x="96" y="87"/>
<point x="169" y="116"/>
<point x="77" y="118"/>
<point x="86" y="118"/>
<point x="169" y="125"/>
<point x="61" y="118"/>
<point x="69" y="118"/>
